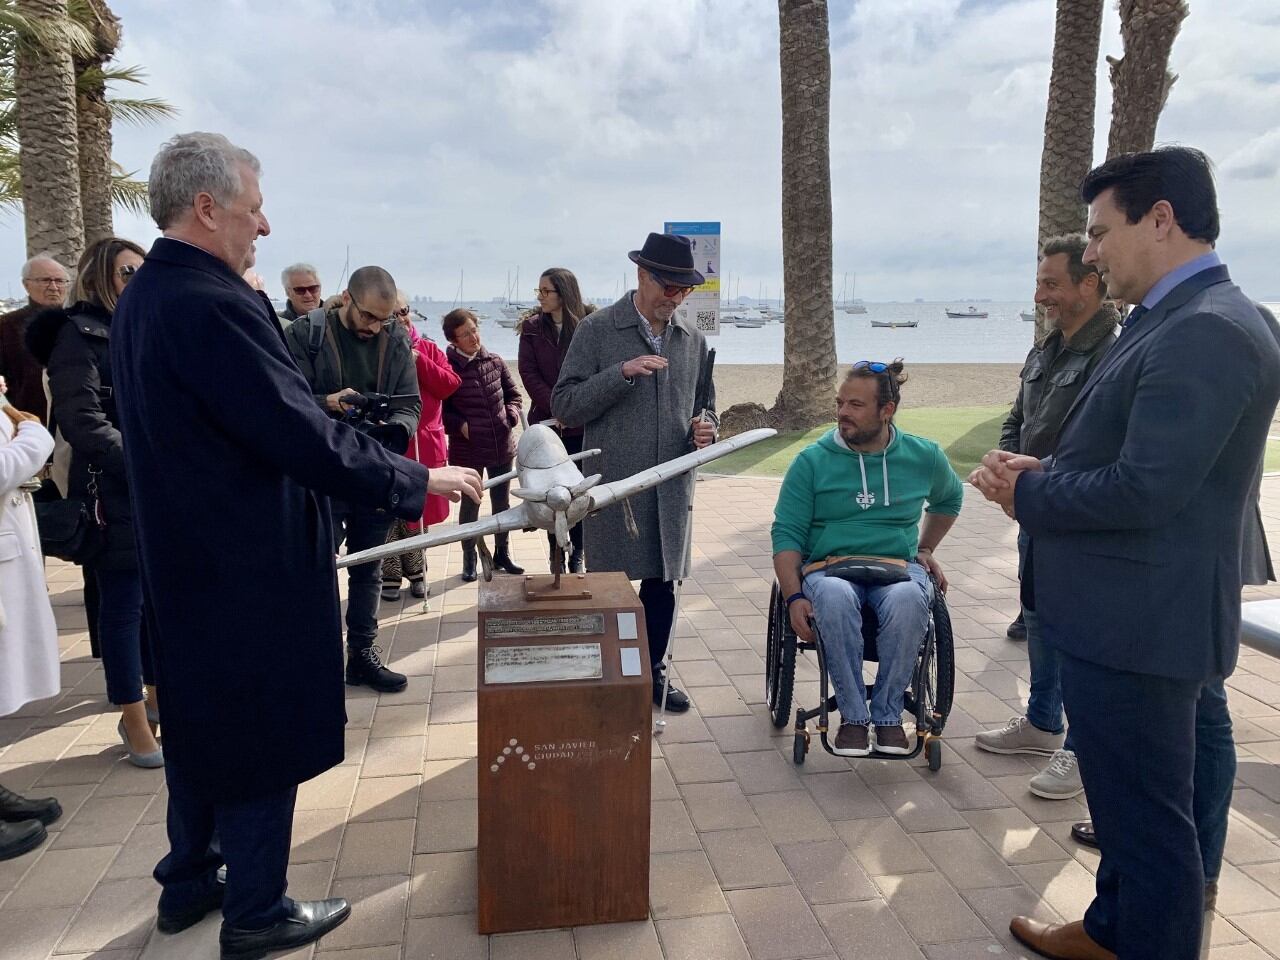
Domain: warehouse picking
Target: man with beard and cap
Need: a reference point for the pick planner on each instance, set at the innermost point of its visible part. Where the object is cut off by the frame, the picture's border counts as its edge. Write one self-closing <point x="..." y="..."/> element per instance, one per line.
<point x="630" y="379"/>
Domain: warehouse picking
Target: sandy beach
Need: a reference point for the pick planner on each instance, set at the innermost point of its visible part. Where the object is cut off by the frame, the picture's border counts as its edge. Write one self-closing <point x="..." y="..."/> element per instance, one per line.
<point x="930" y="384"/>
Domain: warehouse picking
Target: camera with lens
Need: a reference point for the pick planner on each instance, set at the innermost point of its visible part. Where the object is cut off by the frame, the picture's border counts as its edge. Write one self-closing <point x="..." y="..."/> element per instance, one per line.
<point x="367" y="412"/>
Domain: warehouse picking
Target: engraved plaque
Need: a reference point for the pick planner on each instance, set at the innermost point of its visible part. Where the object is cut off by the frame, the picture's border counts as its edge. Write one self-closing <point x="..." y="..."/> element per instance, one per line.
<point x="543" y="663"/>
<point x="568" y="625"/>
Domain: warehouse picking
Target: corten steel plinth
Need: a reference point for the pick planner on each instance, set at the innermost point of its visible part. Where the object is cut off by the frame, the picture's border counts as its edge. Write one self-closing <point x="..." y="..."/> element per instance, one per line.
<point x="564" y="715"/>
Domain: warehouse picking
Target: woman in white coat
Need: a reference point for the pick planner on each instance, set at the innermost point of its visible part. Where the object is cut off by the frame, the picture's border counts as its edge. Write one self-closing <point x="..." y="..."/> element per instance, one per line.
<point x="28" y="635"/>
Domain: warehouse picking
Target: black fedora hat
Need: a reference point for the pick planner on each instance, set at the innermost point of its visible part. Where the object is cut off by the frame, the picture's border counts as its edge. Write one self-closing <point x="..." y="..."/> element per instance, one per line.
<point x="669" y="258"/>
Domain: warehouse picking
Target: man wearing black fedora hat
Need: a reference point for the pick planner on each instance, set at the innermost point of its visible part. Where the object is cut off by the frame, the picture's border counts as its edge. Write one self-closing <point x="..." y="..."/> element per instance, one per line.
<point x="630" y="379"/>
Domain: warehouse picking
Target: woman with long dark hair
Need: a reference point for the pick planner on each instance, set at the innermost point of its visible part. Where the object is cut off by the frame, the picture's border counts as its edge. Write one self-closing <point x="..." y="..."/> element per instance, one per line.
<point x="544" y="340"/>
<point x="74" y="346"/>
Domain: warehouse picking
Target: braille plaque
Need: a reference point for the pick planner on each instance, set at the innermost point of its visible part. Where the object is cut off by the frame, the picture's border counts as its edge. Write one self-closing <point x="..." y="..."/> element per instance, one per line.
<point x="552" y="661"/>
<point x="568" y="625"/>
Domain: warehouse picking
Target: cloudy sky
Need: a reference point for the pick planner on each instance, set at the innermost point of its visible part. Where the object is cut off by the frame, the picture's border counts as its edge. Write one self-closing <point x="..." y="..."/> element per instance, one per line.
<point x="439" y="136"/>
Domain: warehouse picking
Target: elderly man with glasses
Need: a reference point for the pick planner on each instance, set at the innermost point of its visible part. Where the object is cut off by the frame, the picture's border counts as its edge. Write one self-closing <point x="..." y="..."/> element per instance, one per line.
<point x="355" y="348"/>
<point x="631" y="380"/>
<point x="301" y="285"/>
<point x="47" y="284"/>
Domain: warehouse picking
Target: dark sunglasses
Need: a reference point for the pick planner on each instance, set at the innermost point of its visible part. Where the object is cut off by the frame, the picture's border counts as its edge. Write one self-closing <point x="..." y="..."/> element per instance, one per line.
<point x="401" y="313"/>
<point x="126" y="272"/>
<point x="308" y="291"/>
<point x="875" y="366"/>
<point x="670" y="289"/>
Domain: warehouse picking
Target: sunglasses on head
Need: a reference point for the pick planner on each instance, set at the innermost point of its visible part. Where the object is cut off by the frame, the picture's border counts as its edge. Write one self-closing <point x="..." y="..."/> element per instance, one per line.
<point x="308" y="291"/>
<point x="670" y="289"/>
<point x="875" y="366"/>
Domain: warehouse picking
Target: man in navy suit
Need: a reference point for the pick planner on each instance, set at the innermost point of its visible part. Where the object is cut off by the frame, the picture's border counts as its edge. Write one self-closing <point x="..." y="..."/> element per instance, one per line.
<point x="1140" y="512"/>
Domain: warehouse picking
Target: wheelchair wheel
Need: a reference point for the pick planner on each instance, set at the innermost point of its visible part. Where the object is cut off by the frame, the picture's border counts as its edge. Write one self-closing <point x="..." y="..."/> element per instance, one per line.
<point x="933" y="753"/>
<point x="780" y="661"/>
<point x="799" y="748"/>
<point x="940" y="678"/>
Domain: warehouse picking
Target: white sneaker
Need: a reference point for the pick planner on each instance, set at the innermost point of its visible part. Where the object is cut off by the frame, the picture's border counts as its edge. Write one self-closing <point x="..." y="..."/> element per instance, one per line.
<point x="1020" y="736"/>
<point x="1060" y="780"/>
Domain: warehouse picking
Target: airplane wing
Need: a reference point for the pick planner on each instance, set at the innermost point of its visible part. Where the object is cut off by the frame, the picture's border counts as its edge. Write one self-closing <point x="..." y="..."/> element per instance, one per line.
<point x="517" y="518"/>
<point x="607" y="494"/>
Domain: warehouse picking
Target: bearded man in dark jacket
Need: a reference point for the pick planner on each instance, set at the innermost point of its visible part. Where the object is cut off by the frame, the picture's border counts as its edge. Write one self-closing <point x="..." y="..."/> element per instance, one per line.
<point x="1073" y="295"/>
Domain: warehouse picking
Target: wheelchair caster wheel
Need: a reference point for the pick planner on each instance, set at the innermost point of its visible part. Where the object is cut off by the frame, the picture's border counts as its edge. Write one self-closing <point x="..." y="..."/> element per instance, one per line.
<point x="800" y="747"/>
<point x="933" y="753"/>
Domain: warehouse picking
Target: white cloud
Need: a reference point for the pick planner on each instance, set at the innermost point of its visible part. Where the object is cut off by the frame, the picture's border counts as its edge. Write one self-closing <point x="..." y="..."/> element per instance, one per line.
<point x="443" y="135"/>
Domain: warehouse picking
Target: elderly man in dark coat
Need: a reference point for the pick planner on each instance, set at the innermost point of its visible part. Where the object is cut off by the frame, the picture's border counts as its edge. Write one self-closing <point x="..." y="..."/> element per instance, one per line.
<point x="630" y="378"/>
<point x="229" y="461"/>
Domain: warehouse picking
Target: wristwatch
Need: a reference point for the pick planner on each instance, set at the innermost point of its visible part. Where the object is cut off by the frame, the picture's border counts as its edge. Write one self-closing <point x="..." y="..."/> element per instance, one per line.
<point x="798" y="595"/>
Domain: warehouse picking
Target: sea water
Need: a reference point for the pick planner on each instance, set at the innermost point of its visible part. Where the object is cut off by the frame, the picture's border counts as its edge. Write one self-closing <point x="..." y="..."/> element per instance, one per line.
<point x="1002" y="337"/>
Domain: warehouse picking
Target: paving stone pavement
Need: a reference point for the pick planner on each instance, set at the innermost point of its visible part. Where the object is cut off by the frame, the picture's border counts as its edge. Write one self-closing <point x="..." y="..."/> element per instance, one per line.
<point x="752" y="857"/>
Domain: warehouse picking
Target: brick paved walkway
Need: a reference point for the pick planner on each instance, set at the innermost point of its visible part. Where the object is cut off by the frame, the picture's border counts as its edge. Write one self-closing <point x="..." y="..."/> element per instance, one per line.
<point x="752" y="857"/>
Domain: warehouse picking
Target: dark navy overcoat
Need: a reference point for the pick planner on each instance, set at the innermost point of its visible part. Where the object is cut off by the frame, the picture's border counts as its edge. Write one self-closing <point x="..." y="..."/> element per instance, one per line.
<point x="230" y="462"/>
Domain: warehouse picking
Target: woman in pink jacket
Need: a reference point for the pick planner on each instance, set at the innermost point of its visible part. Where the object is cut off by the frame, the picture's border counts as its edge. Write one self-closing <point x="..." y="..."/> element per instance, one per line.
<point x="430" y="447"/>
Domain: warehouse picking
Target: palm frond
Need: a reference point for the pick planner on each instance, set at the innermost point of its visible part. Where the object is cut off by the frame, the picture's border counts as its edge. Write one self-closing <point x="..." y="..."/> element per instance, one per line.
<point x="128" y="193"/>
<point x="44" y="32"/>
<point x="140" y="111"/>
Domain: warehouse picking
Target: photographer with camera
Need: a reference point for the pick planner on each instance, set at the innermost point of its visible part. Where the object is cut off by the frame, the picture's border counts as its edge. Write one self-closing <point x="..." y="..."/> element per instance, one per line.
<point x="359" y="364"/>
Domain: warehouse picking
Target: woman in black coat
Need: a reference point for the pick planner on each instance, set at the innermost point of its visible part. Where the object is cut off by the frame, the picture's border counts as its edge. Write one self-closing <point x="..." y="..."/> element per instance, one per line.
<point x="480" y="417"/>
<point x="73" y="345"/>
<point x="544" y="340"/>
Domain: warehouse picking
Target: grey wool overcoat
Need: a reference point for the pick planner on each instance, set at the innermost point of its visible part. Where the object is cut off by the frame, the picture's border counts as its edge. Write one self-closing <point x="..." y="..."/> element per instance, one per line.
<point x="636" y="426"/>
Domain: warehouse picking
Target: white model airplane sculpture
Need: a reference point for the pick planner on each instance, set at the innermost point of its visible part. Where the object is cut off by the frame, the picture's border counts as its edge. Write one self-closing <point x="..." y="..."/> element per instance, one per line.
<point x="554" y="493"/>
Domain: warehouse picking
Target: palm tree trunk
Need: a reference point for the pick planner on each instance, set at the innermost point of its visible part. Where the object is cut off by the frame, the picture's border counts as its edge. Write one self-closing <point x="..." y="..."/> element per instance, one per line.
<point x="49" y="153"/>
<point x="93" y="123"/>
<point x="809" y="350"/>
<point x="1068" y="123"/>
<point x="1141" y="80"/>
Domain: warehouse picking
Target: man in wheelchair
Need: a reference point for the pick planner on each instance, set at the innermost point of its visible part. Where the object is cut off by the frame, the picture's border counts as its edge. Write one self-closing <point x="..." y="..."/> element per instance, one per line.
<point x="847" y="531"/>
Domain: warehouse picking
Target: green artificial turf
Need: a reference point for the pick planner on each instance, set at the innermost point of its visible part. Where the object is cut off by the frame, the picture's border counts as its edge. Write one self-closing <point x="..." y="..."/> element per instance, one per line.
<point x="965" y="433"/>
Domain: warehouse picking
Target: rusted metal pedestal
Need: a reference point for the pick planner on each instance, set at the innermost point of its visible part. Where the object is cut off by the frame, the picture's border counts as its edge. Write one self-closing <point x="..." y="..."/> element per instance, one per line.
<point x="564" y="718"/>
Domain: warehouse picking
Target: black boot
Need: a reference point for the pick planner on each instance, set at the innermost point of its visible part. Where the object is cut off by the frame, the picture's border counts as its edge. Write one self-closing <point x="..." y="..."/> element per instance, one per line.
<point x="502" y="559"/>
<point x="365" y="667"/>
<point x="469" y="565"/>
<point x="1018" y="629"/>
<point x="18" y="838"/>
<point x="575" y="561"/>
<point x="15" y="808"/>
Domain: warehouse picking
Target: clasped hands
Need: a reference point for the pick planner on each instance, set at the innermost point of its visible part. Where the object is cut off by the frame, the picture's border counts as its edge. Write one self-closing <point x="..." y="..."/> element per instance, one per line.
<point x="998" y="476"/>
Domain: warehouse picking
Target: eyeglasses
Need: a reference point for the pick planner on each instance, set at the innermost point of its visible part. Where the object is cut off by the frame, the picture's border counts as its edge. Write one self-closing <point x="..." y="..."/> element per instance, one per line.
<point x="126" y="272"/>
<point x="49" y="281"/>
<point x="671" y="289"/>
<point x="401" y="313"/>
<point x="875" y="366"/>
<point x="539" y="292"/>
<point x="310" y="290"/>
<point x="369" y="318"/>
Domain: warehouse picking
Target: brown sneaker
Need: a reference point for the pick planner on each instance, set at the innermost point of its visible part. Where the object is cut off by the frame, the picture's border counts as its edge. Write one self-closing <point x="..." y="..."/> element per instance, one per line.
<point x="892" y="740"/>
<point x="852" y="740"/>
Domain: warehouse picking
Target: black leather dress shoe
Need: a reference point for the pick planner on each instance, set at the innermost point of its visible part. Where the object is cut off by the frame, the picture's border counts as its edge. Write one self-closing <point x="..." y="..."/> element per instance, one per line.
<point x="1082" y="832"/>
<point x="18" y="838"/>
<point x="14" y="808"/>
<point x="677" y="699"/>
<point x="308" y="920"/>
<point x="177" y="921"/>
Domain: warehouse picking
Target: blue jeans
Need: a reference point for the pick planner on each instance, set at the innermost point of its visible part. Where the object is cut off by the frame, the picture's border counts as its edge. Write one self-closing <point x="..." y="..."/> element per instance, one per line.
<point x="903" y="612"/>
<point x="124" y="661"/>
<point x="1215" y="774"/>
<point x="1044" y="705"/>
<point x="361" y="528"/>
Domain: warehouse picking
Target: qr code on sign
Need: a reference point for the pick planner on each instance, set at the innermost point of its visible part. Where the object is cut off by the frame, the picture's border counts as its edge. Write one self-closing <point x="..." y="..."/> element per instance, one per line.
<point x="705" y="320"/>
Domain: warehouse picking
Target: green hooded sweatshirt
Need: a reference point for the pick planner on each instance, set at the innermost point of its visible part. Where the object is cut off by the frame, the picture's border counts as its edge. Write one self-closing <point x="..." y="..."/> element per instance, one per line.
<point x="837" y="502"/>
